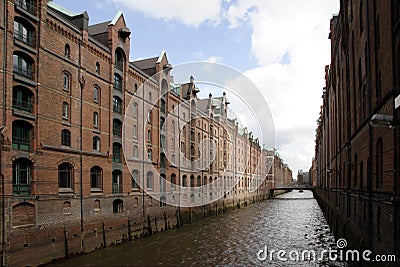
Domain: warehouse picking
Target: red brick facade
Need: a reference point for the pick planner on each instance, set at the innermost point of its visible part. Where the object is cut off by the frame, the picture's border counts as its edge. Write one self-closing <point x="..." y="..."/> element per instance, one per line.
<point x="357" y="157"/>
<point x="69" y="97"/>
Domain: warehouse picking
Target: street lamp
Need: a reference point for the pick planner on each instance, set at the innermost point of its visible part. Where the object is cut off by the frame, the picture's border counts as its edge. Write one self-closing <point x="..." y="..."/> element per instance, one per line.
<point x="382" y="121"/>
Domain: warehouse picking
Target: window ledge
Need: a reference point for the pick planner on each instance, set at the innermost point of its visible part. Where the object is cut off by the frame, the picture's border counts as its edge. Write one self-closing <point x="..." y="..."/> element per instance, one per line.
<point x="65" y="190"/>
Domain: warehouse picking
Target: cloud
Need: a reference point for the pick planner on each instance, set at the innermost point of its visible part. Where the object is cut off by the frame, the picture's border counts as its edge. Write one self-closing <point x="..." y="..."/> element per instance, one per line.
<point x="191" y="13"/>
<point x="289" y="40"/>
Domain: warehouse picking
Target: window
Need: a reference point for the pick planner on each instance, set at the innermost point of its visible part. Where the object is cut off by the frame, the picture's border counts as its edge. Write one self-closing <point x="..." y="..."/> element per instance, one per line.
<point x="119" y="60"/>
<point x="150" y="97"/>
<point x="96" y="143"/>
<point x="66" y="79"/>
<point x="163" y="183"/>
<point x="118" y="206"/>
<point x="136" y="87"/>
<point x="149" y="115"/>
<point x="135" y="152"/>
<point x="117" y="82"/>
<point x="96" y="205"/>
<point x="65" y="138"/>
<point x="117" y="155"/>
<point x="135" y="179"/>
<point x="135" y="131"/>
<point x="163" y="161"/>
<point x="23" y="65"/>
<point x="22" y="99"/>
<point x="96" y="94"/>
<point x="21" y="135"/>
<point x="150" y="155"/>
<point x="24" y="33"/>
<point x="65" y="176"/>
<point x="149" y="136"/>
<point x="65" y="111"/>
<point x="21" y="176"/>
<point x="117" y="105"/>
<point x="117" y="182"/>
<point x="173" y="180"/>
<point x="67" y="51"/>
<point x="117" y="128"/>
<point x="162" y="108"/>
<point x="27" y="5"/>
<point x="95" y="119"/>
<point x="149" y="180"/>
<point x="96" y="177"/>
<point x="184" y="180"/>
<point x="135" y="110"/>
<point x="97" y="68"/>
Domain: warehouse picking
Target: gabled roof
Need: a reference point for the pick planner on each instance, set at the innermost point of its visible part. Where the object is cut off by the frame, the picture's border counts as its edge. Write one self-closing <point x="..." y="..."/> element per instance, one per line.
<point x="146" y="64"/>
<point x="116" y="17"/>
<point x="98" y="28"/>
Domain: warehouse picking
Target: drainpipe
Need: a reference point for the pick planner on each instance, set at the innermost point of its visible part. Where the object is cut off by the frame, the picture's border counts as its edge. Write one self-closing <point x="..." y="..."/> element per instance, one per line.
<point x="4" y="70"/>
<point x="82" y="86"/>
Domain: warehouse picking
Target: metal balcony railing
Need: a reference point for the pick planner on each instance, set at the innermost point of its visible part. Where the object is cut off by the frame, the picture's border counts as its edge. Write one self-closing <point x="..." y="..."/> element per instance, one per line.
<point x="28" y="39"/>
<point x="26" y="5"/>
<point x="26" y="72"/>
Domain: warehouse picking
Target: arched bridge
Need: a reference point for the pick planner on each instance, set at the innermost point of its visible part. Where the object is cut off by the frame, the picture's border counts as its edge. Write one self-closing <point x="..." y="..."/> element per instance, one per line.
<point x="291" y="187"/>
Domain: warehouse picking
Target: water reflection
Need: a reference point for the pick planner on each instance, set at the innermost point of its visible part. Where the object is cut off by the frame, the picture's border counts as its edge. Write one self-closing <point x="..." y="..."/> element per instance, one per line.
<point x="292" y="221"/>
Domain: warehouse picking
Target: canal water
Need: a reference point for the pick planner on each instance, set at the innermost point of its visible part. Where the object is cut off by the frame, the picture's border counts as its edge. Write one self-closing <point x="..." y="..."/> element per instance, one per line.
<point x="292" y="222"/>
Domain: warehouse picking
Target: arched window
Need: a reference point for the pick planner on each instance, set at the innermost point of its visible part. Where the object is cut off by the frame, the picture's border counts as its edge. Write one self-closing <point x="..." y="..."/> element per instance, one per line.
<point x="96" y="205"/>
<point x="96" y="94"/>
<point x="164" y="87"/>
<point x="117" y="105"/>
<point x="118" y="206"/>
<point x="24" y="32"/>
<point x="117" y="153"/>
<point x="134" y="131"/>
<point x="149" y="180"/>
<point x="119" y="60"/>
<point x="135" y="110"/>
<point x="117" y="182"/>
<point x="22" y="99"/>
<point x="149" y="136"/>
<point x="67" y="51"/>
<point x="23" y="65"/>
<point x="65" y="138"/>
<point x="96" y="176"/>
<point x="65" y="111"/>
<point x="135" y="179"/>
<point x="21" y="135"/>
<point x="65" y="176"/>
<point x="66" y="81"/>
<point x="117" y="128"/>
<point x="150" y="155"/>
<point x="163" y="201"/>
<point x="191" y="180"/>
<point x="135" y="152"/>
<point x="162" y="106"/>
<point x="95" y="119"/>
<point x="173" y="180"/>
<point x="199" y="180"/>
<point x="21" y="176"/>
<point x="184" y="180"/>
<point x="96" y="143"/>
<point x="163" y="163"/>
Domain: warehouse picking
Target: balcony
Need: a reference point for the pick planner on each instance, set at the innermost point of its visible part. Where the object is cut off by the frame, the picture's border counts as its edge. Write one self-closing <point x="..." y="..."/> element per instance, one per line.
<point x="25" y="106"/>
<point x="25" y="72"/>
<point x="27" y="39"/>
<point x="27" y="6"/>
<point x="115" y="188"/>
<point x="21" y="189"/>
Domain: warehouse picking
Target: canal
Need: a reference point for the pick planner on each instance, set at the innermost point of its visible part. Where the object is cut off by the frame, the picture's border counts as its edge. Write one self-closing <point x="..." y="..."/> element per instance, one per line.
<point x="290" y="222"/>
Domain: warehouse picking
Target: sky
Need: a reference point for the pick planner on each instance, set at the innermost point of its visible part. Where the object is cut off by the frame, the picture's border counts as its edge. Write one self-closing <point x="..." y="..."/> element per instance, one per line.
<point x="282" y="46"/>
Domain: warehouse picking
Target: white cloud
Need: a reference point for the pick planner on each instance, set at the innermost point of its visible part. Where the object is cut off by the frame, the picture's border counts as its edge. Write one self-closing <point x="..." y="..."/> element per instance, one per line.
<point x="290" y="43"/>
<point x="188" y="12"/>
<point x="214" y="59"/>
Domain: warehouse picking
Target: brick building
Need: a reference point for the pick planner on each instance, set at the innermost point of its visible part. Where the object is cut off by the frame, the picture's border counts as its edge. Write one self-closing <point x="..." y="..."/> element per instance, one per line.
<point x="279" y="173"/>
<point x="84" y="131"/>
<point x="357" y="145"/>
